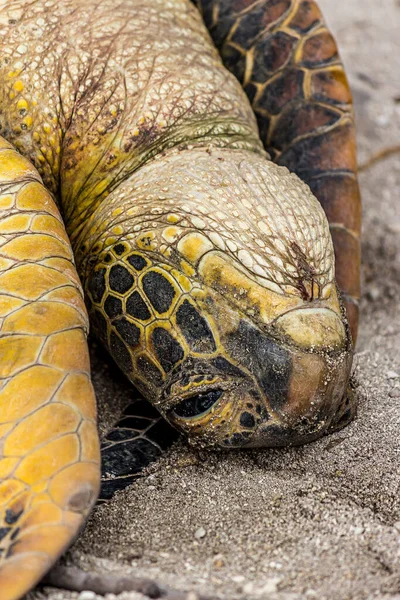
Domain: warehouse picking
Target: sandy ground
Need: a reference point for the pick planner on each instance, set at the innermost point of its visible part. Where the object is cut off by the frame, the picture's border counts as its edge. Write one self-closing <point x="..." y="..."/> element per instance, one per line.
<point x="322" y="521"/>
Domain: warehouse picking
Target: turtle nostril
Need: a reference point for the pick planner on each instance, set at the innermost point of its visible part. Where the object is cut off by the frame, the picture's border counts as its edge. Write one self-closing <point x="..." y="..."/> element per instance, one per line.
<point x="196" y="405"/>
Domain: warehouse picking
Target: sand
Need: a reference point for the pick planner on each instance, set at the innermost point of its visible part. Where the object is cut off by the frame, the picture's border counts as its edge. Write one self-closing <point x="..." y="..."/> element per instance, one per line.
<point x="321" y="521"/>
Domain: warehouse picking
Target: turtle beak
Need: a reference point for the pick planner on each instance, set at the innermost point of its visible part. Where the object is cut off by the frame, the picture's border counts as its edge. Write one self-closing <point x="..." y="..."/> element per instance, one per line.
<point x="302" y="368"/>
<point x="316" y="395"/>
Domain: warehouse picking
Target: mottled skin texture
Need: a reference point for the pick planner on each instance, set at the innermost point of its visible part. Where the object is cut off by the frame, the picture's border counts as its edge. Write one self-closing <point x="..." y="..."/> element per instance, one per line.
<point x="208" y="270"/>
<point x="288" y="63"/>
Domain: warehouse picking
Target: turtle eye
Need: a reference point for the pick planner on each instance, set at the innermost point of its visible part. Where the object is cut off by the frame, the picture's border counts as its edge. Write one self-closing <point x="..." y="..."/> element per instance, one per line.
<point x="197" y="405"/>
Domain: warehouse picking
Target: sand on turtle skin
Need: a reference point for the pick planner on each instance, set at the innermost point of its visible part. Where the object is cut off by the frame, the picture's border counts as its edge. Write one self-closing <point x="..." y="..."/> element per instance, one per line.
<point x="321" y="521"/>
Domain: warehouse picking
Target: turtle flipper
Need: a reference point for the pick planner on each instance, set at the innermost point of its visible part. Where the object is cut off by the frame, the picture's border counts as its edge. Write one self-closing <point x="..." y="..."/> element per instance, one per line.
<point x="287" y="61"/>
<point x="49" y="466"/>
<point x="139" y="438"/>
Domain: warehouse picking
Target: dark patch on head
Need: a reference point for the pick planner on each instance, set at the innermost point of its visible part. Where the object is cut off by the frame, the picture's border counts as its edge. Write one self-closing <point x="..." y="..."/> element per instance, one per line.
<point x="237" y="439"/>
<point x="195" y="328"/>
<point x="120" y="353"/>
<point x="4" y="531"/>
<point x="97" y="285"/>
<point x="167" y="349"/>
<point x="224" y="366"/>
<point x="119" y="249"/>
<point x="120" y="279"/>
<point x="113" y="306"/>
<point x="247" y="420"/>
<point x="137" y="262"/>
<point x="12" y="517"/>
<point x="269" y="361"/>
<point x="137" y="308"/>
<point x="159" y="291"/>
<point x="128" y="331"/>
<point x="149" y="371"/>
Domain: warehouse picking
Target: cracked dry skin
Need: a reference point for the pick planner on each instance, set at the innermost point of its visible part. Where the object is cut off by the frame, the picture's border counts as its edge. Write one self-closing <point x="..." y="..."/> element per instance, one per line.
<point x="208" y="269"/>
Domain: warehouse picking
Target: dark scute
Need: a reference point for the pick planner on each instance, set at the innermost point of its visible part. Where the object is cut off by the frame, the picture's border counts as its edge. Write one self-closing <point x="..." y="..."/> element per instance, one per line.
<point x="108" y="258"/>
<point x="247" y="420"/>
<point x="234" y="61"/>
<point x="137" y="307"/>
<point x="271" y="54"/>
<point x="119" y="249"/>
<point x="167" y="349"/>
<point x="264" y="124"/>
<point x="136" y="423"/>
<point x="224" y="366"/>
<point x="281" y="91"/>
<point x="251" y="91"/>
<point x="12" y="517"/>
<point x="99" y="325"/>
<point x="220" y="30"/>
<point x="198" y="404"/>
<point x="120" y="279"/>
<point x="110" y="486"/>
<point x="97" y="285"/>
<point x="121" y="435"/>
<point x="306" y="17"/>
<point x="158" y="290"/>
<point x="309" y="157"/>
<point x="129" y="457"/>
<point x="113" y="306"/>
<point x="163" y="434"/>
<point x="269" y="362"/>
<point x="137" y="262"/>
<point x="128" y="331"/>
<point x="149" y="371"/>
<point x="300" y="120"/>
<point x="141" y="408"/>
<point x="249" y="27"/>
<point x="195" y="328"/>
<point x="4" y="531"/>
<point x="319" y="50"/>
<point x="120" y="353"/>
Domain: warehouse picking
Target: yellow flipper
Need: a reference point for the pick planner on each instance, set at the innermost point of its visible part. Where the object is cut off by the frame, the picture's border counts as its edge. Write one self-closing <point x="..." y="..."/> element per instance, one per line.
<point x="49" y="466"/>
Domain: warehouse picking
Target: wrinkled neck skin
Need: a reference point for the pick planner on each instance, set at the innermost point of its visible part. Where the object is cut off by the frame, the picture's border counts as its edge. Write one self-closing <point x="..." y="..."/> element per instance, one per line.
<point x="209" y="271"/>
<point x="240" y="307"/>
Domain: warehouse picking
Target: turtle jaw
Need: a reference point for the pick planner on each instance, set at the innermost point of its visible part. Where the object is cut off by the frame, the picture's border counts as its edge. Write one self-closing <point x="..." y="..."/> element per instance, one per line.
<point x="291" y="391"/>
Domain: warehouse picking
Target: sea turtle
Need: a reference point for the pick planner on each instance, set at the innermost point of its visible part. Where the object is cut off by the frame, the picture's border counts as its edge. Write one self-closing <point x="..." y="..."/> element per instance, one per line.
<point x="208" y="268"/>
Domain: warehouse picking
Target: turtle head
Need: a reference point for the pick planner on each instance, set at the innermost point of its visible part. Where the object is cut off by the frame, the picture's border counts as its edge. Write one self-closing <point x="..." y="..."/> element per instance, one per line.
<point x="233" y="329"/>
